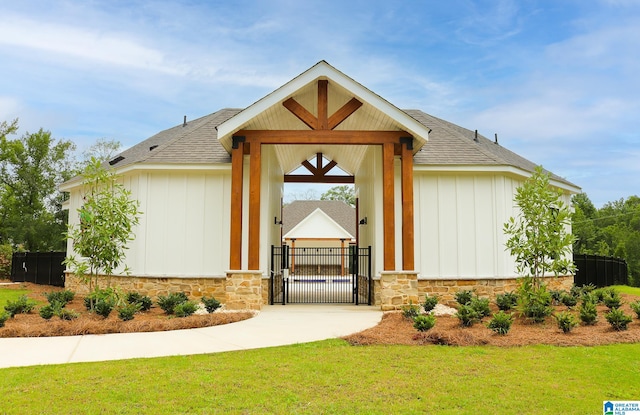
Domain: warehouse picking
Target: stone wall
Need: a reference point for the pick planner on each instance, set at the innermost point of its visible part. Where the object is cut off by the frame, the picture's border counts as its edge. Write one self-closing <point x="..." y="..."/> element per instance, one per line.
<point x="396" y="288"/>
<point x="195" y="288"/>
<point x="446" y="289"/>
<point x="244" y="290"/>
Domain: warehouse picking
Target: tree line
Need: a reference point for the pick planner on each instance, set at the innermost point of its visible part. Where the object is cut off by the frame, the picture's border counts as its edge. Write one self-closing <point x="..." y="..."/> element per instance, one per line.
<point x="612" y="230"/>
<point x="32" y="167"/>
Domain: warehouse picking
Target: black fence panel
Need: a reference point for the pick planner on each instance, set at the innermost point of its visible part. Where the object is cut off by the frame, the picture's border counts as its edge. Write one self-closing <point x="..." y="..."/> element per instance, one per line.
<point x="320" y="275"/>
<point x="600" y="271"/>
<point x="44" y="268"/>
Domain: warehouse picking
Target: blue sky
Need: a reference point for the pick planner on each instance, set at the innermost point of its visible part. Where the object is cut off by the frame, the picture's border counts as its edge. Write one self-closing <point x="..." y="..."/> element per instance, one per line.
<point x="557" y="80"/>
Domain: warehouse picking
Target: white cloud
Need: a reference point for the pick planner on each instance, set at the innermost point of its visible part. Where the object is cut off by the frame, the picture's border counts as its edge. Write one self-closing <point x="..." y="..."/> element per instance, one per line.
<point x="86" y="44"/>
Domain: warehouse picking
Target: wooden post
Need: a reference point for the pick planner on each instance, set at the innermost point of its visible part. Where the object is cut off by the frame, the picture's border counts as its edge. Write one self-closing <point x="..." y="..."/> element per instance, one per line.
<point x="254" y="206"/>
<point x="388" y="215"/>
<point x="323" y="121"/>
<point x="407" y="207"/>
<point x="237" y="161"/>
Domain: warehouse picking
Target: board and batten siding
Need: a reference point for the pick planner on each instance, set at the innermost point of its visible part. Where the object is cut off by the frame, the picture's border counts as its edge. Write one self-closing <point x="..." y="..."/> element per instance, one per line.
<point x="459" y="228"/>
<point x="184" y="225"/>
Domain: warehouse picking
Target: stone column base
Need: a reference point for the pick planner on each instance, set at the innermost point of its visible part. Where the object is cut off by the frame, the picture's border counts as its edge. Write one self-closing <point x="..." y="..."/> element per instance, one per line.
<point x="243" y="290"/>
<point x="397" y="289"/>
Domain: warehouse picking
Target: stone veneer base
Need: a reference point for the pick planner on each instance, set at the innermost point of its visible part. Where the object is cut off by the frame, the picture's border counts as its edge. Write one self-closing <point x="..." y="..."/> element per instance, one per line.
<point x="249" y="290"/>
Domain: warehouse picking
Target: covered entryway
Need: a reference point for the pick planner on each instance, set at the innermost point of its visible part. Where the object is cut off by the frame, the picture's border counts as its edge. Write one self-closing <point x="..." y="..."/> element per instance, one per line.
<point x="321" y="112"/>
<point x="313" y="275"/>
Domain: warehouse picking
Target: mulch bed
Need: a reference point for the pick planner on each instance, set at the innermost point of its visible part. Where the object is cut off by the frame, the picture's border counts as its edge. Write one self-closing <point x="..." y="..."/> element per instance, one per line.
<point x="32" y="325"/>
<point x="395" y="329"/>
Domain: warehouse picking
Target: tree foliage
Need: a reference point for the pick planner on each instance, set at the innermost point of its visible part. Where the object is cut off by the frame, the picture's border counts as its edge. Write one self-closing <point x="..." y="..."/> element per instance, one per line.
<point x="344" y="193"/>
<point x="613" y="230"/>
<point x="107" y="219"/>
<point x="538" y="238"/>
<point x="103" y="150"/>
<point x="31" y="169"/>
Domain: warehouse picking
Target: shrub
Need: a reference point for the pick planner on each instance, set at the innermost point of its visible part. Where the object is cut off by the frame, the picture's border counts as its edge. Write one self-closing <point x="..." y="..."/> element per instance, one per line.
<point x="568" y="300"/>
<point x="556" y="296"/>
<point x="501" y="322"/>
<point x="20" y="306"/>
<point x="636" y="308"/>
<point x="128" y="311"/>
<point x="576" y="291"/>
<point x="467" y="315"/>
<point x="599" y="294"/>
<point x="618" y="319"/>
<point x="169" y="302"/>
<point x="464" y="297"/>
<point x="6" y="254"/>
<point x="424" y="323"/>
<point x="410" y="311"/>
<point x="106" y="294"/>
<point x="566" y="321"/>
<point x="143" y="300"/>
<point x="3" y="318"/>
<point x="103" y="307"/>
<point x="66" y="314"/>
<point x="61" y="297"/>
<point x="506" y="301"/>
<point x="481" y="306"/>
<point x="185" y="309"/>
<point x="612" y="300"/>
<point x="47" y="311"/>
<point x="534" y="303"/>
<point x="430" y="303"/>
<point x="210" y="304"/>
<point x="588" y="313"/>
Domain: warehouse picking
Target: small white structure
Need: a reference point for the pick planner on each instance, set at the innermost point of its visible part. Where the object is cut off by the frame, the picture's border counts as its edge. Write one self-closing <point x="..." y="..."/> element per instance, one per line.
<point x="432" y="196"/>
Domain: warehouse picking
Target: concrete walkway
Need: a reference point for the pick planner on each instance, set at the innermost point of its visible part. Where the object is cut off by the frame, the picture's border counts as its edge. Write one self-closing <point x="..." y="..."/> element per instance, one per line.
<point x="275" y="325"/>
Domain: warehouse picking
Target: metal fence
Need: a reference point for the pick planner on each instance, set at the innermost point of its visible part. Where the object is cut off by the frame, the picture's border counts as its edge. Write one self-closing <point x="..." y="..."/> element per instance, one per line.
<point x="320" y="275"/>
<point x="44" y="268"/>
<point x="600" y="271"/>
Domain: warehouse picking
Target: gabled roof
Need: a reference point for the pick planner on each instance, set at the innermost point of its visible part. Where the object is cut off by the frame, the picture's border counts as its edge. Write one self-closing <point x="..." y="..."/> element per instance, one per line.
<point x="318" y="225"/>
<point x="374" y="105"/>
<point x="296" y="212"/>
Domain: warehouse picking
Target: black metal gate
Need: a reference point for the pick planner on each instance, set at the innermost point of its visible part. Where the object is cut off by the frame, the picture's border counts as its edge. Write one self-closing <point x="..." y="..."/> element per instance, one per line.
<point x="38" y="267"/>
<point x="320" y="275"/>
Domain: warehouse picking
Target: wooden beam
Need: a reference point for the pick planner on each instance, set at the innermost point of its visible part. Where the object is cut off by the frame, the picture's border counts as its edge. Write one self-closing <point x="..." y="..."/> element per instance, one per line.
<point x="322" y="136"/>
<point x="237" y="161"/>
<point x="301" y="112"/>
<point x="326" y="169"/>
<point x="255" y="171"/>
<point x="407" y="209"/>
<point x="312" y="169"/>
<point x="388" y="216"/>
<point x="323" y="105"/>
<point x="305" y="178"/>
<point x="343" y="113"/>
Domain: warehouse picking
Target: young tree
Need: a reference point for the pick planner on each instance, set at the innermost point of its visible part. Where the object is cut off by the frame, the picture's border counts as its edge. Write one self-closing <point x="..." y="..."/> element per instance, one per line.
<point x="31" y="169"/>
<point x="344" y="193"/>
<point x="107" y="219"/>
<point x="538" y="237"/>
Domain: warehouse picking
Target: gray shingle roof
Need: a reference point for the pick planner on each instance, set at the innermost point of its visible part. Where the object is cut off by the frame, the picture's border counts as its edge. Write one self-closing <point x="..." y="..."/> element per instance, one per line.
<point x="342" y="213"/>
<point x="196" y="143"/>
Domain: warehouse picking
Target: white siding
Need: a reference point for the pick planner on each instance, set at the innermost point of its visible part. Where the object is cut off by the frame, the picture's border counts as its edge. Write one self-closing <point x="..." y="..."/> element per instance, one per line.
<point x="458" y="224"/>
<point x="184" y="226"/>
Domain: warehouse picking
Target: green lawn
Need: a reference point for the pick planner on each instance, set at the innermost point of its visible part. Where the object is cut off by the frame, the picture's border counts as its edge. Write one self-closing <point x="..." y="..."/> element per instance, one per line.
<point x="11" y="295"/>
<point x="331" y="377"/>
<point x="625" y="289"/>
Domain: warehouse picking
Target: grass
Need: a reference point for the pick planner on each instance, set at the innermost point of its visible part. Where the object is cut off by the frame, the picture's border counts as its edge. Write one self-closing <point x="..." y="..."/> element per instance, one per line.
<point x="331" y="377"/>
<point x="625" y="289"/>
<point x="10" y="295"/>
